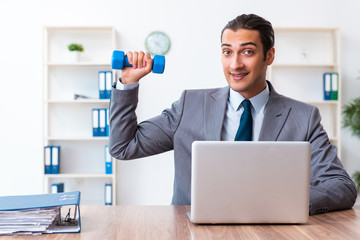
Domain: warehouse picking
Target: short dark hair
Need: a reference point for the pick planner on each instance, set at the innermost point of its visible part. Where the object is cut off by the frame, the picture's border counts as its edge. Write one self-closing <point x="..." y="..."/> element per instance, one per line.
<point x="254" y="22"/>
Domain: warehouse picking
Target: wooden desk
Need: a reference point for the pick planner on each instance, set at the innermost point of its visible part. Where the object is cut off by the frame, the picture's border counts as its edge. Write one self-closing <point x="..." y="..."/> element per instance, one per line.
<point x="171" y="222"/>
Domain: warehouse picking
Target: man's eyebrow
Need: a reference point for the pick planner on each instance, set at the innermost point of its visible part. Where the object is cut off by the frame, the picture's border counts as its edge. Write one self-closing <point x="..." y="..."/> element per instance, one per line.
<point x="248" y="43"/>
<point x="241" y="45"/>
<point x="226" y="45"/>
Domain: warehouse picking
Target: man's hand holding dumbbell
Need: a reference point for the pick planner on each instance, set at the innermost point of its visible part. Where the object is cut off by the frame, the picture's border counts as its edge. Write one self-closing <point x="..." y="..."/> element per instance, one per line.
<point x="135" y="65"/>
<point x="141" y="66"/>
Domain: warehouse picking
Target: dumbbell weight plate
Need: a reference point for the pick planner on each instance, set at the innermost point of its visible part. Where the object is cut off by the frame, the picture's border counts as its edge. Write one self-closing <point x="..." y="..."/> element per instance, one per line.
<point x="158" y="64"/>
<point x="117" y="61"/>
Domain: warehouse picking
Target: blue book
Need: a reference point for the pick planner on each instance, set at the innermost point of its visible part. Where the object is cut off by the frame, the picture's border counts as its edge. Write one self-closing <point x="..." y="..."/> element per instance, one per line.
<point x="107" y="111"/>
<point x="47" y="159"/>
<point x="57" y="188"/>
<point x="62" y="207"/>
<point x="55" y="159"/>
<point x="102" y="93"/>
<point x="108" y="194"/>
<point x="327" y="86"/>
<point x="95" y="122"/>
<point x="102" y="122"/>
<point x="108" y="160"/>
<point x="108" y="83"/>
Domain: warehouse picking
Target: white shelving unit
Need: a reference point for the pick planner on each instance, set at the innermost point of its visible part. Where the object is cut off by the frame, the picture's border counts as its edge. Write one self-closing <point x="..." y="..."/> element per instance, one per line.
<point x="68" y="122"/>
<point x="302" y="56"/>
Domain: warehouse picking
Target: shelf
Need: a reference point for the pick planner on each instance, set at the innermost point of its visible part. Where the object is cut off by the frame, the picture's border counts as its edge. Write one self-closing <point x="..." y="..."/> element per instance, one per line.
<point x="68" y="121"/>
<point x="77" y="28"/>
<point x="76" y="138"/>
<point x="90" y="101"/>
<point x="305" y="29"/>
<point x="77" y="64"/>
<point x="303" y="55"/>
<point x="323" y="102"/>
<point x="79" y="175"/>
<point x="303" y="65"/>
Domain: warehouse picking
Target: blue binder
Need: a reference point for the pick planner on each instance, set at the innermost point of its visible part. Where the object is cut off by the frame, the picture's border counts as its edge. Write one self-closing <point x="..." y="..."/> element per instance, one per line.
<point x="68" y="221"/>
<point x="57" y="188"/>
<point x="102" y="122"/>
<point x="95" y="122"/>
<point x="47" y="159"/>
<point x="102" y="92"/>
<point x="108" y="194"/>
<point x="108" y="83"/>
<point x="55" y="159"/>
<point x="107" y="111"/>
<point x="327" y="86"/>
<point x="108" y="160"/>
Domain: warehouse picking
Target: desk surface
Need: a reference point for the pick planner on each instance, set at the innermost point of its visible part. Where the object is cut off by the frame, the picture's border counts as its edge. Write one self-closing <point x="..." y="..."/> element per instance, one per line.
<point x="171" y="222"/>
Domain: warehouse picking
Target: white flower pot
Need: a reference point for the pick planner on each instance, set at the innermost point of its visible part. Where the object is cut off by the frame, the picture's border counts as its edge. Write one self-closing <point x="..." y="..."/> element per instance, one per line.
<point x="75" y="56"/>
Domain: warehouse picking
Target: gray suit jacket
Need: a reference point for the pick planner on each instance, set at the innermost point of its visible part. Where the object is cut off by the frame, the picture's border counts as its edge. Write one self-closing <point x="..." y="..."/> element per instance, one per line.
<point x="199" y="115"/>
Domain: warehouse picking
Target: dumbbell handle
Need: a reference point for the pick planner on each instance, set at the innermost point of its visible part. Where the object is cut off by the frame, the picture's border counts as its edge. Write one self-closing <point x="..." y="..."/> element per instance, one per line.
<point x="119" y="61"/>
<point x="126" y="62"/>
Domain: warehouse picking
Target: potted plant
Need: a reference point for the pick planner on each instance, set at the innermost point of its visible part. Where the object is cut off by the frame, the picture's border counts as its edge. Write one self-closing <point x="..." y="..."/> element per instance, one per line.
<point x="356" y="177"/>
<point x="75" y="49"/>
<point x="351" y="120"/>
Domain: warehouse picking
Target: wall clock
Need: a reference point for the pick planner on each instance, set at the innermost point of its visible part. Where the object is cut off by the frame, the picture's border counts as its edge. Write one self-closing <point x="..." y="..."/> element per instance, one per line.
<point x="157" y="43"/>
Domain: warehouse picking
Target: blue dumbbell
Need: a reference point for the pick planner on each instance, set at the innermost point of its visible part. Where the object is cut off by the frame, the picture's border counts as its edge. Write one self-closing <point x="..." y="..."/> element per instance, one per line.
<point x="119" y="60"/>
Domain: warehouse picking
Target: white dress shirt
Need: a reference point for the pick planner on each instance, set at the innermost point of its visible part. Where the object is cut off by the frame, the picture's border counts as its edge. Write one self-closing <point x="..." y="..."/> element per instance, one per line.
<point x="234" y="111"/>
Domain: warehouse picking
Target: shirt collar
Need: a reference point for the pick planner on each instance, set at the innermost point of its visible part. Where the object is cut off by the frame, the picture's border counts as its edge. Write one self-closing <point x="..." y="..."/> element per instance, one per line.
<point x="257" y="101"/>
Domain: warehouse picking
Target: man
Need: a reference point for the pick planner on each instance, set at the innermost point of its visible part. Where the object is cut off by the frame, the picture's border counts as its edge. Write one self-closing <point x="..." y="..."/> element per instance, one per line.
<point x="247" y="45"/>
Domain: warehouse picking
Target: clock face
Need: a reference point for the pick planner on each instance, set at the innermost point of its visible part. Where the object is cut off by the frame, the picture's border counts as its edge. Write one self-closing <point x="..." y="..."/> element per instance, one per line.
<point x="157" y="43"/>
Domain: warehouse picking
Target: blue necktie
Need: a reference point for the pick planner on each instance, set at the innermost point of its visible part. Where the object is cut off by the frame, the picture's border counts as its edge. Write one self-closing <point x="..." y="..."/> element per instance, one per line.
<point x="244" y="132"/>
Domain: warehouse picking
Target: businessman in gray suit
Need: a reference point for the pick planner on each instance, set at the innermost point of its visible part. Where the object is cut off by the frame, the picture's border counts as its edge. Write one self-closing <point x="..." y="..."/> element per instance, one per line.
<point x="247" y="45"/>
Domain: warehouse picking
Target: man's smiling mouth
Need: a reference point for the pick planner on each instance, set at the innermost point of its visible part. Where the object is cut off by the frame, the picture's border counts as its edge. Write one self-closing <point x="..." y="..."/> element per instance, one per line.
<point x="239" y="75"/>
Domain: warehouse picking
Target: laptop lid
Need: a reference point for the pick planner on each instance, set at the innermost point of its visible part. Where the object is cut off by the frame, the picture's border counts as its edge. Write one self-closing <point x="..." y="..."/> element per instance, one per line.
<point x="250" y="182"/>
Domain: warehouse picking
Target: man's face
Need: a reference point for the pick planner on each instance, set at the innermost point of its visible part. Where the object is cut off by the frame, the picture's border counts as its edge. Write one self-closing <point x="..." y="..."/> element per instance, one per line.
<point x="243" y="61"/>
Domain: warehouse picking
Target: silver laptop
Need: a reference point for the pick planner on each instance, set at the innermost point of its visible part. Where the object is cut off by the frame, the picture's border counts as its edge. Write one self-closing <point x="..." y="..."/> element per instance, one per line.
<point x="250" y="182"/>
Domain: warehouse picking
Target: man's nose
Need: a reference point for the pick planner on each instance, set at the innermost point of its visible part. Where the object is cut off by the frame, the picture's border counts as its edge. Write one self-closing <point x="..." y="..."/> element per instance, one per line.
<point x="237" y="62"/>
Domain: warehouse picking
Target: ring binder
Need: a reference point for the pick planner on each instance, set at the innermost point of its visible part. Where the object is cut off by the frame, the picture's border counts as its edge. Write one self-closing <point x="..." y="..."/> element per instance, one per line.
<point x="25" y="214"/>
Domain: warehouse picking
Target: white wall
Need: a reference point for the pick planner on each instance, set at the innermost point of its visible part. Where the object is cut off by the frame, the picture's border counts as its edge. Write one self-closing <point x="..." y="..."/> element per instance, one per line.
<point x="193" y="62"/>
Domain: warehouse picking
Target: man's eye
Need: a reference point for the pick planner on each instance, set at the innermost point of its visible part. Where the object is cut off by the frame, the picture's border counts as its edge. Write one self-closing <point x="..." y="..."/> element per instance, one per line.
<point x="226" y="52"/>
<point x="248" y="52"/>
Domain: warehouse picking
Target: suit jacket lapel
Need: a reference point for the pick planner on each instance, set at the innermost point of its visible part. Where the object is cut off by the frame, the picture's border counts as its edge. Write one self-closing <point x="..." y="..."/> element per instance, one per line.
<point x="275" y="116"/>
<point x="215" y="106"/>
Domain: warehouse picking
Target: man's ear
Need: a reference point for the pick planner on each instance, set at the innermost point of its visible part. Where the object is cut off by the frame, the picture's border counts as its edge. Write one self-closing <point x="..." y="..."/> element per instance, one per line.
<point x="270" y="56"/>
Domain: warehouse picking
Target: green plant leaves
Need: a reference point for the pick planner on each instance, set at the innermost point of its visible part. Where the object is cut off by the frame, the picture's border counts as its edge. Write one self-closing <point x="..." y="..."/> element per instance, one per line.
<point x="356" y="177"/>
<point x="75" y="47"/>
<point x="351" y="117"/>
